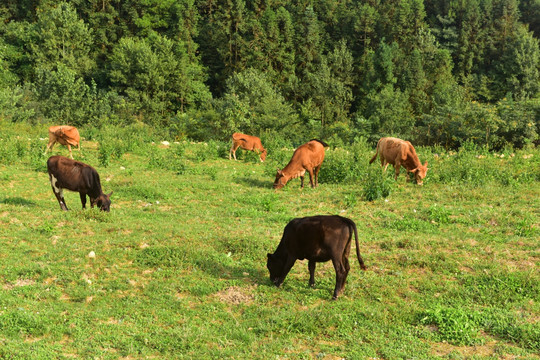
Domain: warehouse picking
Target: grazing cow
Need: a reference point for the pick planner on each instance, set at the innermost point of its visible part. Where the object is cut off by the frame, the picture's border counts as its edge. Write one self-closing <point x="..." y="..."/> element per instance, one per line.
<point x="247" y="142"/>
<point x="318" y="239"/>
<point x="65" y="135"/>
<point x="74" y="175"/>
<point x="400" y="153"/>
<point x="307" y="157"/>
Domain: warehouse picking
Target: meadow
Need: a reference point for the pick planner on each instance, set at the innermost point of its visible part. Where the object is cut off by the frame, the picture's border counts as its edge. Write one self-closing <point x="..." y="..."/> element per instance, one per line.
<point x="180" y="261"/>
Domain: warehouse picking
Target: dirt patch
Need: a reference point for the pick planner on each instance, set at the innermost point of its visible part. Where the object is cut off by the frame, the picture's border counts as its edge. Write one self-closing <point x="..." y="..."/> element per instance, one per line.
<point x="19" y="283"/>
<point x="444" y="349"/>
<point x="236" y="295"/>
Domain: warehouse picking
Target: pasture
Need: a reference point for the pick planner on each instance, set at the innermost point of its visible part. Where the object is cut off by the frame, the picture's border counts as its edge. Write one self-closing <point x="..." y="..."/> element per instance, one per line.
<point x="177" y="269"/>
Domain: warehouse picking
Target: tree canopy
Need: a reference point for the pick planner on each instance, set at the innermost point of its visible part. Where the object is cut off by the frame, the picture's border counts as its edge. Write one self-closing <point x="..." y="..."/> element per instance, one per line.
<point x="433" y="71"/>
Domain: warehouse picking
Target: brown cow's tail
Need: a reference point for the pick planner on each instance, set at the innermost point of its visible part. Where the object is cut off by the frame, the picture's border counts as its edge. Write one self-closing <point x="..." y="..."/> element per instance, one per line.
<point x="376" y="152"/>
<point x="321" y="142"/>
<point x="360" y="260"/>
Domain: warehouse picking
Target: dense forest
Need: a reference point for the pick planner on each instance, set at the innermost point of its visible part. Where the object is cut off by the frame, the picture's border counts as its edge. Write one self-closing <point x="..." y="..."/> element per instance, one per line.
<point x="435" y="71"/>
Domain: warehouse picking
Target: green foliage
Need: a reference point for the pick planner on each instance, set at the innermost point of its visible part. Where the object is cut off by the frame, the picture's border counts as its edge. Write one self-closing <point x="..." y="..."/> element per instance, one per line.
<point x="457" y="326"/>
<point x="180" y="259"/>
<point x="377" y="184"/>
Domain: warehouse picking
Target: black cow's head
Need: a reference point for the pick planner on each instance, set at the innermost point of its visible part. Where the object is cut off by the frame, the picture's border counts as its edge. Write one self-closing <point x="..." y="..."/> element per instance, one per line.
<point x="103" y="202"/>
<point x="275" y="266"/>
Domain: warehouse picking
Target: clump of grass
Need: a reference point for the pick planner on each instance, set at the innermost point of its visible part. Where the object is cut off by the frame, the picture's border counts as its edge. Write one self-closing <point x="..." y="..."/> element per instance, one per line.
<point x="455" y="325"/>
<point x="377" y="185"/>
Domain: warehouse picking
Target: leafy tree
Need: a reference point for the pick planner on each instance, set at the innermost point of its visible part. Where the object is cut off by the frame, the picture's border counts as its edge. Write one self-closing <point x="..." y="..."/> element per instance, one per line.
<point x="530" y="14"/>
<point x="153" y="74"/>
<point x="63" y="96"/>
<point x="253" y="104"/>
<point x="330" y="86"/>
<point x="518" y="68"/>
<point x="61" y="37"/>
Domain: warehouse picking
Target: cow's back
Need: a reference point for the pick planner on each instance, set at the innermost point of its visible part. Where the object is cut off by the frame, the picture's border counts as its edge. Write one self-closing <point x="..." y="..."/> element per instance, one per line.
<point x="391" y="148"/>
<point x="69" y="173"/>
<point x="309" y="155"/>
<point x="64" y="134"/>
<point x="314" y="236"/>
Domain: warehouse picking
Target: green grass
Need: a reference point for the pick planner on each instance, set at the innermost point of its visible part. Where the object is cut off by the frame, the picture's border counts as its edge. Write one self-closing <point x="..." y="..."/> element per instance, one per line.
<point x="180" y="265"/>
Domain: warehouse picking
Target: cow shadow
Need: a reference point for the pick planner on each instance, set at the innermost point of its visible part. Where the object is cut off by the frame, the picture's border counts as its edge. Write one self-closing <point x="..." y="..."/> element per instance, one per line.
<point x="231" y="272"/>
<point x="254" y="182"/>
<point x="17" y="201"/>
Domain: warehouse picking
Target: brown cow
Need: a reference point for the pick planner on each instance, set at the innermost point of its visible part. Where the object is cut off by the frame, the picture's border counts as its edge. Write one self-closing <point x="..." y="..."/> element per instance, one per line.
<point x="307" y="157"/>
<point x="65" y="135"/>
<point x="74" y="175"/>
<point x="318" y="239"/>
<point x="400" y="153"/>
<point x="247" y="142"/>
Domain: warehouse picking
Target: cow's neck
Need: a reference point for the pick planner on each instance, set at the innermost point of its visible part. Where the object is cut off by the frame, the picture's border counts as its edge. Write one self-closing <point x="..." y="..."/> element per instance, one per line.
<point x="293" y="170"/>
<point x="95" y="192"/>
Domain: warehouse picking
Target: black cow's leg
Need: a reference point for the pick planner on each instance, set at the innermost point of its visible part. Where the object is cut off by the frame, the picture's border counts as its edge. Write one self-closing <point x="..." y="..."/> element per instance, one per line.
<point x="311" y="266"/>
<point x="60" y="197"/>
<point x="83" y="200"/>
<point x="58" y="192"/>
<point x="302" y="182"/>
<point x="341" y="275"/>
<point x="347" y="267"/>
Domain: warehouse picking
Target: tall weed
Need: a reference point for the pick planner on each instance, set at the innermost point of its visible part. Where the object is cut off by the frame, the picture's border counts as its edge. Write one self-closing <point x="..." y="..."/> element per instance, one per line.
<point x="377" y="184"/>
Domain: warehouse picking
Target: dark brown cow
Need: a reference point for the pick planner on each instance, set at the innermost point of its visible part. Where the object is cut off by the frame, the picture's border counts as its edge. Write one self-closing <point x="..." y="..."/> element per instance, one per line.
<point x="308" y="157"/>
<point x="74" y="175"/>
<point x="247" y="142"/>
<point x="400" y="153"/>
<point x="65" y="135"/>
<point x="318" y="239"/>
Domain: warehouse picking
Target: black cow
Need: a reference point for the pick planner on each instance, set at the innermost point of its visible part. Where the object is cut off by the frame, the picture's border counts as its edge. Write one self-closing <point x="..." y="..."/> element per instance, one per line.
<point x="318" y="239"/>
<point x="74" y="175"/>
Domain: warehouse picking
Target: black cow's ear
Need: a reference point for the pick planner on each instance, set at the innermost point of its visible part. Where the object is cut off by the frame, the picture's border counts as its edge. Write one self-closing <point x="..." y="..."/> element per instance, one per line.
<point x="109" y="195"/>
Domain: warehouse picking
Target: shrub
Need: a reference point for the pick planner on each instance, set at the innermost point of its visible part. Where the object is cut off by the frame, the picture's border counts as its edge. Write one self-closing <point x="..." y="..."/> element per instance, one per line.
<point x="377" y="184"/>
<point x="456" y="325"/>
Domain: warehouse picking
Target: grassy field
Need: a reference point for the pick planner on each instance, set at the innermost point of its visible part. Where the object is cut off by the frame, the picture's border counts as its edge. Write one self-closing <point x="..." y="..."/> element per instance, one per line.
<point x="180" y="261"/>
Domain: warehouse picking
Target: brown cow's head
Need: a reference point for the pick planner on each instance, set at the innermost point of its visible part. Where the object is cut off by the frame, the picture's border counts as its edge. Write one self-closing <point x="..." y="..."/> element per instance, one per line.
<point x="275" y="266"/>
<point x="103" y="202"/>
<point x="280" y="180"/>
<point x="420" y="173"/>
<point x="263" y="155"/>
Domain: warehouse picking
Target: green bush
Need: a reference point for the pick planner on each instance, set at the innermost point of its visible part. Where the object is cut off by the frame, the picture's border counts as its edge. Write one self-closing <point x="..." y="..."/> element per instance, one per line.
<point x="455" y="325"/>
<point x="377" y="184"/>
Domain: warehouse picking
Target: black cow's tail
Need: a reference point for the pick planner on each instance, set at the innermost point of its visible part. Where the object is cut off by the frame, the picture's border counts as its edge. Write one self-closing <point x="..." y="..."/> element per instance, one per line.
<point x="376" y="153"/>
<point x="352" y="226"/>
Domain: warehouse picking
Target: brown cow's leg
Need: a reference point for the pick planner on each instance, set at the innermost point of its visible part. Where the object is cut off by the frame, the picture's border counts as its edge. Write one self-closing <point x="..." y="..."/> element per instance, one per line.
<point x="311" y="178"/>
<point x="49" y="146"/>
<point x="311" y="267"/>
<point x="302" y="182"/>
<point x="233" y="151"/>
<point x="397" y="166"/>
<point x="317" y="175"/>
<point x="69" y="148"/>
